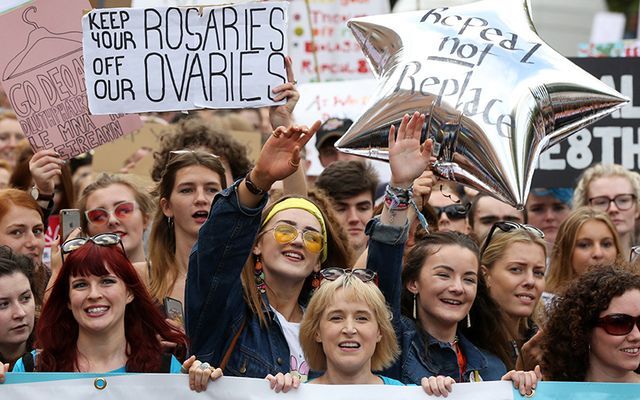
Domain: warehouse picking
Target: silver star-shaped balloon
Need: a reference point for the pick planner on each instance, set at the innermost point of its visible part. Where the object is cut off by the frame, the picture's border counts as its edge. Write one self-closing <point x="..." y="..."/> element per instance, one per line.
<point x="494" y="93"/>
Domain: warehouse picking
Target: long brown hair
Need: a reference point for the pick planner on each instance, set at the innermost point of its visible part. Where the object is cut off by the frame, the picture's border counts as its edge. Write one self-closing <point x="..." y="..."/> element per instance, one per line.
<point x="560" y="268"/>
<point x="338" y="254"/>
<point x="162" y="240"/>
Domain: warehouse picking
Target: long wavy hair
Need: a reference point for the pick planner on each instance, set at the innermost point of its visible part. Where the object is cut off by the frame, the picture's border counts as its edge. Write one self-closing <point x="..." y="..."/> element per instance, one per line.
<point x="57" y="331"/>
<point x="560" y="268"/>
<point x="162" y="240"/>
<point x="567" y="335"/>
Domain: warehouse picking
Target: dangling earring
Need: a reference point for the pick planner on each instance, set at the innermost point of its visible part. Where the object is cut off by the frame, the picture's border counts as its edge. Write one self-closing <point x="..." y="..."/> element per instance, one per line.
<point x="170" y="222"/>
<point x="316" y="278"/>
<point x="415" y="306"/>
<point x="468" y="320"/>
<point x="259" y="276"/>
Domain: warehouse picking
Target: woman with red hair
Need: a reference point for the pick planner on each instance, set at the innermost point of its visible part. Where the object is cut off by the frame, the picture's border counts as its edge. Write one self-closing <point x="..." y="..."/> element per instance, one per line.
<point x="99" y="316"/>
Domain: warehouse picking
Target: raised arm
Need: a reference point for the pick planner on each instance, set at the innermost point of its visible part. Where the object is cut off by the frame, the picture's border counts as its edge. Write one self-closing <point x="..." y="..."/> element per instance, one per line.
<point x="213" y="294"/>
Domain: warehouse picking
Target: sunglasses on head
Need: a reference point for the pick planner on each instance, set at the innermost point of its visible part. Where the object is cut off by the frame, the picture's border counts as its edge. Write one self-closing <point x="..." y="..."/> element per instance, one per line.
<point x="102" y="239"/>
<point x="618" y="324"/>
<point x="453" y="211"/>
<point x="100" y="216"/>
<point x="508" y="226"/>
<point x="175" y="153"/>
<point x="333" y="273"/>
<point x="285" y="233"/>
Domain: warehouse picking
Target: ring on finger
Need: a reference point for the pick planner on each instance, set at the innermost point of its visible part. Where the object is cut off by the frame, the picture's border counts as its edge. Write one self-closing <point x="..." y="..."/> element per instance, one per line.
<point x="204" y="366"/>
<point x="294" y="82"/>
<point x="276" y="134"/>
<point x="294" y="165"/>
<point x="529" y="395"/>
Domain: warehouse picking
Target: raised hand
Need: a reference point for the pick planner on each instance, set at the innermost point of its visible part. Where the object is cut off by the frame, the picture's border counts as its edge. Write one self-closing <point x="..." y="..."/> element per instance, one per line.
<point x="280" y="155"/>
<point x="408" y="159"/>
<point x="282" y="115"/>
<point x="44" y="166"/>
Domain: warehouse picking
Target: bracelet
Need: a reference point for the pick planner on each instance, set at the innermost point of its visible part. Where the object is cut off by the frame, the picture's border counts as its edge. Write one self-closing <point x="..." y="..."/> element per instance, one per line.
<point x="252" y="187"/>
<point x="400" y="199"/>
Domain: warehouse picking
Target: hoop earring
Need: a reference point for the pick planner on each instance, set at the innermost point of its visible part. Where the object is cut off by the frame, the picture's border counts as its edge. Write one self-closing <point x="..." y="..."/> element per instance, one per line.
<point x="468" y="320"/>
<point x="259" y="276"/>
<point x="415" y="306"/>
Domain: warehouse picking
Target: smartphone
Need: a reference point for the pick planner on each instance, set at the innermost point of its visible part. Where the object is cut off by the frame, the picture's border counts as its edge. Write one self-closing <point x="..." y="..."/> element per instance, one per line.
<point x="173" y="310"/>
<point x="69" y="220"/>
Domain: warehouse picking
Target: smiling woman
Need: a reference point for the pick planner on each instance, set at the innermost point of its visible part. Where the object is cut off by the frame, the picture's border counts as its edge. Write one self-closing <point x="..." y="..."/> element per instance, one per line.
<point x="110" y="323"/>
<point x="593" y="333"/>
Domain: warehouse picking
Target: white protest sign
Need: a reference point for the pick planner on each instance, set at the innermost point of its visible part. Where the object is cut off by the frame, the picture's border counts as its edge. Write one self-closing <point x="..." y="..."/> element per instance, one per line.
<point x="63" y="386"/>
<point x="162" y="59"/>
<point x="11" y="4"/>
<point x="176" y="386"/>
<point x="324" y="100"/>
<point x="321" y="45"/>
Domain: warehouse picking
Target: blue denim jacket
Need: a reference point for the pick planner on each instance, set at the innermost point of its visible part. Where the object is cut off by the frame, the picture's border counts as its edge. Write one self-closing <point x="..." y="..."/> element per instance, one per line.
<point x="215" y="307"/>
<point x="385" y="257"/>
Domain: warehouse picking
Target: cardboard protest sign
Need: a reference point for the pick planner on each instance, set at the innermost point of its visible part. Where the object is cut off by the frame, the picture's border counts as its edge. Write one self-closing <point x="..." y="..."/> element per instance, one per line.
<point x="321" y="46"/>
<point x="613" y="139"/>
<point x="161" y="59"/>
<point x="43" y="76"/>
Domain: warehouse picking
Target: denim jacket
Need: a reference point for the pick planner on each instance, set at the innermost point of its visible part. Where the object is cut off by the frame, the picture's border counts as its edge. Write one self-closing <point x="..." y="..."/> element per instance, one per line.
<point x="424" y="355"/>
<point x="414" y="362"/>
<point x="215" y="305"/>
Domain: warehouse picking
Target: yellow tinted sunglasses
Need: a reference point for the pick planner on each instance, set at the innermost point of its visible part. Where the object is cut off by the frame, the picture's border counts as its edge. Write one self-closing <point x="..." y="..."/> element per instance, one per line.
<point x="285" y="233"/>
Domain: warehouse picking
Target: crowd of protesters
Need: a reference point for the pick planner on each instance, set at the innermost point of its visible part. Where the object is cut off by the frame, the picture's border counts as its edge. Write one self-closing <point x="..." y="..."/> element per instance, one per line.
<point x="226" y="266"/>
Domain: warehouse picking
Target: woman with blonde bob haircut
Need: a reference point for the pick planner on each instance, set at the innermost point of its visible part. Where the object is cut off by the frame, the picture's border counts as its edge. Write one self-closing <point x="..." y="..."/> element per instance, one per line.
<point x="587" y="238"/>
<point x="613" y="189"/>
<point x="322" y="307"/>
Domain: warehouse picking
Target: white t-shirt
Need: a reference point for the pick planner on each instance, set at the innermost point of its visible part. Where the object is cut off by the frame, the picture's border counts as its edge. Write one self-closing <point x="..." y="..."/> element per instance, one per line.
<point x="291" y="331"/>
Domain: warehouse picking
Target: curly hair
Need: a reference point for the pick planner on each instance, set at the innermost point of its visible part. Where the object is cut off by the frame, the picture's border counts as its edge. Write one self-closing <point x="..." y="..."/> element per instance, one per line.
<point x="567" y="336"/>
<point x="194" y="133"/>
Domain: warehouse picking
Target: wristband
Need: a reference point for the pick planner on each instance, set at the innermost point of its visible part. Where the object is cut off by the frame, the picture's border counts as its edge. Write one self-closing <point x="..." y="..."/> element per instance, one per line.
<point x="252" y="186"/>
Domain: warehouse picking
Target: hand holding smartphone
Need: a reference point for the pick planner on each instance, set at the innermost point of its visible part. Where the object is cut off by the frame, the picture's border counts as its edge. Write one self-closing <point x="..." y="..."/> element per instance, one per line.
<point x="173" y="310"/>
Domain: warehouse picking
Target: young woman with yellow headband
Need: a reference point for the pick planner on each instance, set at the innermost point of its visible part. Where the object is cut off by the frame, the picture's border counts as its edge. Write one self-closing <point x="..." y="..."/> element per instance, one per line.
<point x="250" y="277"/>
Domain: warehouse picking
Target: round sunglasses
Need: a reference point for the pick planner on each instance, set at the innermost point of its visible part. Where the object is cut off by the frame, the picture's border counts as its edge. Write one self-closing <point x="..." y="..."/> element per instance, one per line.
<point x="102" y="239"/>
<point x="285" y="233"/>
<point x="100" y="216"/>
<point x="333" y="273"/>
<point x="618" y="324"/>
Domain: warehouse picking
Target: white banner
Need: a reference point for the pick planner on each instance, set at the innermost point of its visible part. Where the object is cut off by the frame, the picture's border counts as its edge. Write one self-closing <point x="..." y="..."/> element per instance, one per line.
<point x="162" y="59"/>
<point x="175" y="386"/>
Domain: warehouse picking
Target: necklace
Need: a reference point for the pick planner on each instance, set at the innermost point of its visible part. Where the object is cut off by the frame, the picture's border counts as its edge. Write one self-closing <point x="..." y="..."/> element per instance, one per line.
<point x="455" y="341"/>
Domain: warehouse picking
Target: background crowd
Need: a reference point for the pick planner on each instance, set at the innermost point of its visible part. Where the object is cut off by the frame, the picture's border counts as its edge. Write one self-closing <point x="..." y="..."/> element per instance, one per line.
<point x="247" y="266"/>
